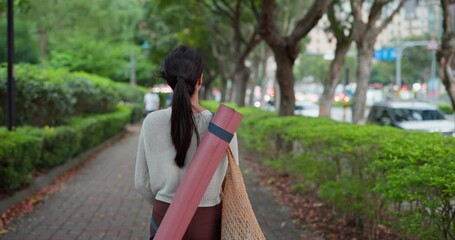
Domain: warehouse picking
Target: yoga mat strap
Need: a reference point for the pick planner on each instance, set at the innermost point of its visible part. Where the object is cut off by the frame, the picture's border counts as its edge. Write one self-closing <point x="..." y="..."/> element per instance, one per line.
<point x="219" y="132"/>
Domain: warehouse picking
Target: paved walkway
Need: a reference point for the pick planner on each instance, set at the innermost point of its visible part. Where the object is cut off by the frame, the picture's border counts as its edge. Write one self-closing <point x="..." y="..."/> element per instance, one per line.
<point x="100" y="202"/>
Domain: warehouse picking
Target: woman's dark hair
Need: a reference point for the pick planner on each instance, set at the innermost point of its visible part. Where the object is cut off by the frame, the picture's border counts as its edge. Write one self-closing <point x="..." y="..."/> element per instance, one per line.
<point x="182" y="69"/>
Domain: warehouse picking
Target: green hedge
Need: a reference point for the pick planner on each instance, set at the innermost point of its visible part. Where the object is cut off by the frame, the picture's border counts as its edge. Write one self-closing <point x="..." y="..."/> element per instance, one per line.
<point x="130" y="94"/>
<point x="446" y="108"/>
<point x="47" y="97"/>
<point x="18" y="155"/>
<point x="58" y="144"/>
<point x="38" y="102"/>
<point x="137" y="112"/>
<point x="96" y="128"/>
<point x="107" y="94"/>
<point x="28" y="149"/>
<point x="374" y="175"/>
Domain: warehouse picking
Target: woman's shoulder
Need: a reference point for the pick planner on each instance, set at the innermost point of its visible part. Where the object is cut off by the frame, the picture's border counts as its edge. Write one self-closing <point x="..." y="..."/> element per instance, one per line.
<point x="204" y="116"/>
<point x="204" y="113"/>
<point x="159" y="116"/>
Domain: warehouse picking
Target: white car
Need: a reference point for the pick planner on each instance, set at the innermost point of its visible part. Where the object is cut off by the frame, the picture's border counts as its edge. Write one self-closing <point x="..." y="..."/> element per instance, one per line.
<point x="420" y="116"/>
<point x="308" y="109"/>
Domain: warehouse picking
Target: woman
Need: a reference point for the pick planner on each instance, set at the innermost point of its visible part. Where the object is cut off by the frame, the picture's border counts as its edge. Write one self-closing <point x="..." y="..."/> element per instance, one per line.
<point x="168" y="141"/>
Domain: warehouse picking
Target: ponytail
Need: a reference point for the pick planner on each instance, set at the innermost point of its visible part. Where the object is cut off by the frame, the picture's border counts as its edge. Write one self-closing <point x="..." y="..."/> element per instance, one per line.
<point x="182" y="121"/>
<point x="182" y="69"/>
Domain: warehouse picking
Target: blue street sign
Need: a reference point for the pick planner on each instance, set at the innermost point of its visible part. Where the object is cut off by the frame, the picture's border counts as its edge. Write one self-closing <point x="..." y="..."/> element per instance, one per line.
<point x="385" y="54"/>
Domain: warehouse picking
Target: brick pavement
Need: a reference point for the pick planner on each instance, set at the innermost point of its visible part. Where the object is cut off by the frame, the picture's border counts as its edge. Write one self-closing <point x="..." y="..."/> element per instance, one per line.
<point x="100" y="202"/>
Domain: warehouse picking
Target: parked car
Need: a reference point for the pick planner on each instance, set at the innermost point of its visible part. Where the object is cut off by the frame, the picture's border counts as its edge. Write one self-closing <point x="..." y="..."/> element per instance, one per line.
<point x="308" y="109"/>
<point x="419" y="116"/>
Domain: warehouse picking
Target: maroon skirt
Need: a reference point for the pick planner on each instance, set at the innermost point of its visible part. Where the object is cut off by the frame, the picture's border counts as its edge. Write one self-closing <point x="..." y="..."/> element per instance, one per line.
<point x="205" y="225"/>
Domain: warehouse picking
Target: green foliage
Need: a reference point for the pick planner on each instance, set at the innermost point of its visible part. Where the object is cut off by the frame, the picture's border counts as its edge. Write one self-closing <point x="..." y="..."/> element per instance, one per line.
<point x="92" y="56"/>
<point x="420" y="177"/>
<point x="38" y="102"/>
<point x="383" y="72"/>
<point x="100" y="42"/>
<point x="25" y="43"/>
<point x="28" y="149"/>
<point x="58" y="144"/>
<point x="248" y="125"/>
<point x="105" y="97"/>
<point x="416" y="64"/>
<point x="163" y="25"/>
<point x="446" y="108"/>
<point x="18" y="154"/>
<point x="137" y="112"/>
<point x="166" y="25"/>
<point x="100" y="57"/>
<point x="311" y="65"/>
<point x="94" y="129"/>
<point x="130" y="94"/>
<point x="22" y="5"/>
<point x="103" y="19"/>
<point x="210" y="105"/>
<point x="46" y="97"/>
<point x="50" y="96"/>
<point x="374" y="175"/>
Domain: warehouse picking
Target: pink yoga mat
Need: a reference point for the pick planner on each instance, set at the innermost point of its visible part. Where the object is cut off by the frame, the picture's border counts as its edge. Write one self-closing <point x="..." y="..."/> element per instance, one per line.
<point x="197" y="178"/>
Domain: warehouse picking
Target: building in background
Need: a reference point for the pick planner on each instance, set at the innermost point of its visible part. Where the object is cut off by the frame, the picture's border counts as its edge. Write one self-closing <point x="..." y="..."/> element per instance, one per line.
<point x="416" y="18"/>
<point x="321" y="42"/>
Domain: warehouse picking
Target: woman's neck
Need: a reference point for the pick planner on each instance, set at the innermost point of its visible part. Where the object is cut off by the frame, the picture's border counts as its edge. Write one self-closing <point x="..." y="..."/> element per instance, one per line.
<point x="195" y="103"/>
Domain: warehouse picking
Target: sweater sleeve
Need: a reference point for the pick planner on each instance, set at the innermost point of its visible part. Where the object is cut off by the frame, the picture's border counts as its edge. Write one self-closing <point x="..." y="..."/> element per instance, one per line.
<point x="142" y="177"/>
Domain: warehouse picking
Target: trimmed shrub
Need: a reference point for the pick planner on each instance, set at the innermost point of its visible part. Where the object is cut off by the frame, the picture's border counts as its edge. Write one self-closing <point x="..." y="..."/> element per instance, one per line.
<point x="38" y="102"/>
<point x="115" y="122"/>
<point x="106" y="96"/>
<point x="93" y="129"/>
<point x="137" y="112"/>
<point x="18" y="154"/>
<point x="47" y="97"/>
<point x="374" y="175"/>
<point x="86" y="94"/>
<point x="58" y="145"/>
<point x="28" y="149"/>
<point x="130" y="94"/>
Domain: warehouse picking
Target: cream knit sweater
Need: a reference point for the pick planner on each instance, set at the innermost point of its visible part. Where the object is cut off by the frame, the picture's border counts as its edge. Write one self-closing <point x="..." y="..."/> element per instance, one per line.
<point x="157" y="176"/>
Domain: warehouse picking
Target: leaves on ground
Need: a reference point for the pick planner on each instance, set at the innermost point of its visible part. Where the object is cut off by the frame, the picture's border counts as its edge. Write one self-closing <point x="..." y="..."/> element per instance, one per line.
<point x="27" y="205"/>
<point x="306" y="207"/>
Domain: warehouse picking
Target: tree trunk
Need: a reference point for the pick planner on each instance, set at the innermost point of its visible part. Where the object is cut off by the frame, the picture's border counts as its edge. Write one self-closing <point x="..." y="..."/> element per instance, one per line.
<point x="207" y="86"/>
<point x="255" y="80"/>
<point x="365" y="37"/>
<point x="447" y="76"/>
<point x="243" y="84"/>
<point x="450" y="88"/>
<point x="364" y="64"/>
<point x="285" y="78"/>
<point x="43" y="43"/>
<point x="223" y="88"/>
<point x="242" y="75"/>
<point x="230" y="96"/>
<point x="446" y="54"/>
<point x="287" y="48"/>
<point x="251" y="98"/>
<point x="333" y="79"/>
<point x="264" y="80"/>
